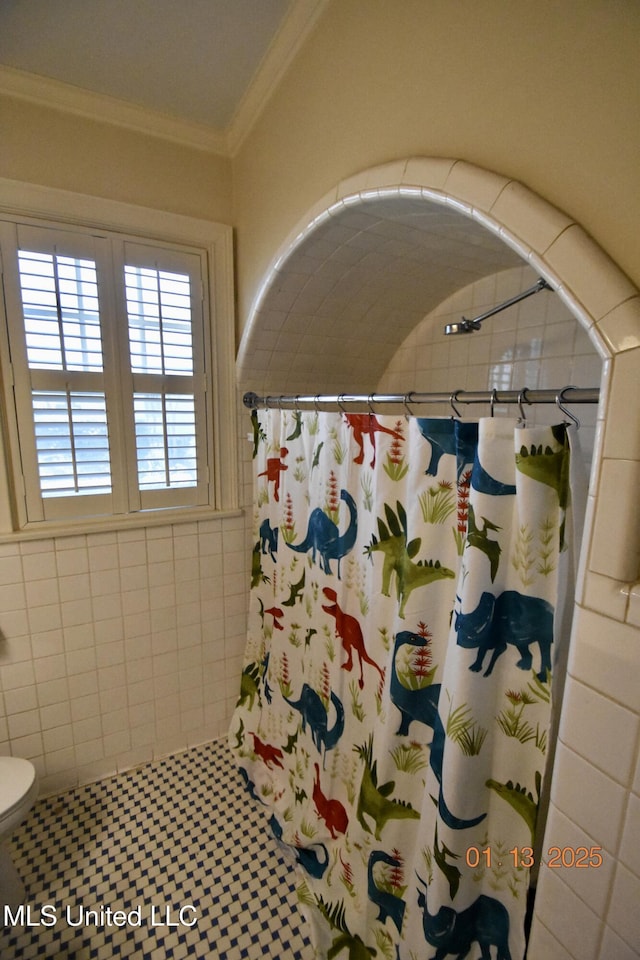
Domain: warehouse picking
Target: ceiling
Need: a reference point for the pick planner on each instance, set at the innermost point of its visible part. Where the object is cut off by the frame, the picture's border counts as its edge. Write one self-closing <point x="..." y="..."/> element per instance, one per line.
<point x="199" y="63"/>
<point x="199" y="71"/>
<point x="356" y="286"/>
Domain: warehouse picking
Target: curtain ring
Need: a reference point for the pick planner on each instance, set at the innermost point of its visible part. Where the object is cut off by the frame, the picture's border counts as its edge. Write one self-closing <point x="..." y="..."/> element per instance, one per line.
<point x="492" y="401"/>
<point x="316" y="402"/>
<point x="369" y="402"/>
<point x="522" y="398"/>
<point x="560" y="405"/>
<point x="452" y="399"/>
<point x="406" y="401"/>
<point x="341" y="403"/>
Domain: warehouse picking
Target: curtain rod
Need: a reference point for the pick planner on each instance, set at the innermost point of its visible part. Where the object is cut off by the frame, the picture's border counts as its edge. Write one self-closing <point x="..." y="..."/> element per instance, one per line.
<point x="492" y="397"/>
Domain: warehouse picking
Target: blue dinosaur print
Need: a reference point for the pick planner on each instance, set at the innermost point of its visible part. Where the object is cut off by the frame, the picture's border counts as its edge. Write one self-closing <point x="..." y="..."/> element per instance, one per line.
<point x="390" y="905"/>
<point x="485" y="922"/>
<point x="449" y="436"/>
<point x="460" y="440"/>
<point x="485" y="483"/>
<point x="313" y="712"/>
<point x="436" y="760"/>
<point x="268" y="538"/>
<point x="509" y="618"/>
<point x="421" y="705"/>
<point x="314" y="858"/>
<point x="324" y="539"/>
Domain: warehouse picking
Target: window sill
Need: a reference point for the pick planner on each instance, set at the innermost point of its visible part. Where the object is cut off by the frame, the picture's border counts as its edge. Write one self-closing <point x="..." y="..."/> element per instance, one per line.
<point x="134" y="521"/>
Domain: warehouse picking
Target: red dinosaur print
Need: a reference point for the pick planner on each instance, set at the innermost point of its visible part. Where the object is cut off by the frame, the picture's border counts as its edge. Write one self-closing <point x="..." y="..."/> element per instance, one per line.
<point x="266" y="752"/>
<point x="331" y="811"/>
<point x="275" y="467"/>
<point x="276" y="613"/>
<point x="367" y="423"/>
<point x="350" y="632"/>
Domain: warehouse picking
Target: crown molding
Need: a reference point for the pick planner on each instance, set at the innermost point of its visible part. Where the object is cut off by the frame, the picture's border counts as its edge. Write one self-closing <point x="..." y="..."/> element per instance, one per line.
<point x="96" y="106"/>
<point x="293" y="32"/>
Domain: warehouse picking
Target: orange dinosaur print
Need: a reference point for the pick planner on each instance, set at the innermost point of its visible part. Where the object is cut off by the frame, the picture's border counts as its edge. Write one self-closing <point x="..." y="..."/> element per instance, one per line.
<point x="330" y="810"/>
<point x="350" y="632"/>
<point x="266" y="752"/>
<point x="276" y="613"/>
<point x="367" y="424"/>
<point x="275" y="467"/>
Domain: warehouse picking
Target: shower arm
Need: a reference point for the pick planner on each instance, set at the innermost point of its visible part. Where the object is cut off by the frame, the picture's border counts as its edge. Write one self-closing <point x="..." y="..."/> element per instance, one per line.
<point x="467" y="325"/>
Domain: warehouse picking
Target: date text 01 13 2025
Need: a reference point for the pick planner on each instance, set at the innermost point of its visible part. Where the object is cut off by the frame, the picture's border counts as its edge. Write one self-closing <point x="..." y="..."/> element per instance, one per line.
<point x="523" y="857"/>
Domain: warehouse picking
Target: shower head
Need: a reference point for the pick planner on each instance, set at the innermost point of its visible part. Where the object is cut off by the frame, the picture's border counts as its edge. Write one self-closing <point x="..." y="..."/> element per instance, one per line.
<point x="463" y="326"/>
<point x="469" y="326"/>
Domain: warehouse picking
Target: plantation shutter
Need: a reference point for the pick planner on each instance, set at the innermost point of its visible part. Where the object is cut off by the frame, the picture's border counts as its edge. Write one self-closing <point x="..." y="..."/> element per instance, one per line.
<point x="58" y="355"/>
<point x="164" y="302"/>
<point x="108" y="349"/>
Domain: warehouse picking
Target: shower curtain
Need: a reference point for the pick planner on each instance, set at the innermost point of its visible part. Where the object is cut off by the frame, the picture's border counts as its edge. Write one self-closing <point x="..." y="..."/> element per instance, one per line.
<point x="407" y="579"/>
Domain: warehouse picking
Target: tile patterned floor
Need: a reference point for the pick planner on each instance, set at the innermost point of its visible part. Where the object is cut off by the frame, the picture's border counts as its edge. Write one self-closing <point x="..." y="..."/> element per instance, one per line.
<point x="178" y="846"/>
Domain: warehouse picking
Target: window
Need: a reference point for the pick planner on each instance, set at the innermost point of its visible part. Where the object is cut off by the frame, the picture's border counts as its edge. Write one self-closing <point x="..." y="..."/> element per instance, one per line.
<point x="107" y="363"/>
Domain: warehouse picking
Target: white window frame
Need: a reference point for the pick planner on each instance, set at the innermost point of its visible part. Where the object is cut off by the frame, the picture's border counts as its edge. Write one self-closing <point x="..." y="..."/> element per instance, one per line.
<point x="64" y="209"/>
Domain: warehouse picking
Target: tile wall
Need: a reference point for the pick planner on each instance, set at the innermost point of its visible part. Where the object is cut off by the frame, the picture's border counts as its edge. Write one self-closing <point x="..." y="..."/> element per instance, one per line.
<point x="536" y="343"/>
<point x="120" y="647"/>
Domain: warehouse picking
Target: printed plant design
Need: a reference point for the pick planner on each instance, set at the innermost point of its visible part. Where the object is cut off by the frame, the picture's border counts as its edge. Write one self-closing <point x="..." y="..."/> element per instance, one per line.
<point x="409" y="757"/>
<point x="299" y="472"/>
<point x="462" y="729"/>
<point x="546" y="536"/>
<point x="460" y="533"/>
<point x="367" y="490"/>
<point x="533" y="555"/>
<point x="346" y="877"/>
<point x="356" y="701"/>
<point x="438" y="503"/>
<point x="501" y="875"/>
<point x="284" y="680"/>
<point x="396" y="467"/>
<point x="288" y="526"/>
<point x="332" y="504"/>
<point x="338" y="448"/>
<point x="513" y="724"/>
<point x="414" y="663"/>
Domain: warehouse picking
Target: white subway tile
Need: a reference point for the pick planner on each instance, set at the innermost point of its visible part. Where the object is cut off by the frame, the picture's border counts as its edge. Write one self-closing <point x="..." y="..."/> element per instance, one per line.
<point x="23" y="724"/>
<point x="624" y="915"/>
<point x="614" y="948"/>
<point x="591" y="882"/>
<point x="567" y="917"/>
<point x="599" y="730"/>
<point x="39" y="566"/>
<point x="605" y="655"/>
<point x="20" y="699"/>
<point x="629" y="852"/>
<point x="588" y="797"/>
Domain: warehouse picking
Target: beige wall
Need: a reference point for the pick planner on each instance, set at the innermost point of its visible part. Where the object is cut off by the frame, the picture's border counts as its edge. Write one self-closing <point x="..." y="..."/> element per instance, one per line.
<point x="55" y="149"/>
<point x="547" y="93"/>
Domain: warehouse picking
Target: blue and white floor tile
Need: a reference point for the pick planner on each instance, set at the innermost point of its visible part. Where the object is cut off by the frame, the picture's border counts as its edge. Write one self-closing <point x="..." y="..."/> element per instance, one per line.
<point x="179" y="847"/>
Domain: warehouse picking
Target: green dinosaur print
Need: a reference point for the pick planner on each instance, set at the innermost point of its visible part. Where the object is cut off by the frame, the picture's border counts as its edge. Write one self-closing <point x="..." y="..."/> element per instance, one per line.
<point x="373" y="801"/>
<point x="520" y="799"/>
<point x="398" y="558"/>
<point x="547" y="465"/>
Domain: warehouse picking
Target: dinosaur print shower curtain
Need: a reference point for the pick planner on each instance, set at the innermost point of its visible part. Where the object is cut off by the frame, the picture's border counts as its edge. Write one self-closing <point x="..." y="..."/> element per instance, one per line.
<point x="407" y="576"/>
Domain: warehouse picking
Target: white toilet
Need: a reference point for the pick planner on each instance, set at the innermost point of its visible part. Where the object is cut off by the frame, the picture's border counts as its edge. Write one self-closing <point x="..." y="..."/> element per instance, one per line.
<point x="18" y="793"/>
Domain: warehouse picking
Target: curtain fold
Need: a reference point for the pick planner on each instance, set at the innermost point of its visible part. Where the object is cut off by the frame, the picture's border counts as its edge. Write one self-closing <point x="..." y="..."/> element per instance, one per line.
<point x="395" y="701"/>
